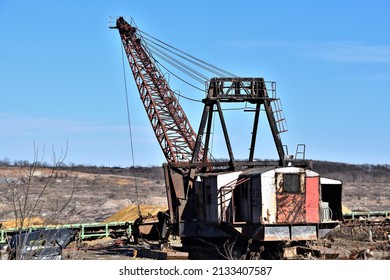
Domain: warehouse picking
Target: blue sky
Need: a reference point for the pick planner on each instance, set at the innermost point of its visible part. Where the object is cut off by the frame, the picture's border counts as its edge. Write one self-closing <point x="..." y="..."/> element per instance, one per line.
<point x="61" y="77"/>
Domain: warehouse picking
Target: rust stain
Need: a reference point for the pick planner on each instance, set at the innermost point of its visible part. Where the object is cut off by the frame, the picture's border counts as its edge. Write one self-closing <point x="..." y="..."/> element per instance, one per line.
<point x="290" y="208"/>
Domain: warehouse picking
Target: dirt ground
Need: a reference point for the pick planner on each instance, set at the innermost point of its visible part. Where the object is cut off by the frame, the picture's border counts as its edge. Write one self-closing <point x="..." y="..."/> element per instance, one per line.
<point x="98" y="197"/>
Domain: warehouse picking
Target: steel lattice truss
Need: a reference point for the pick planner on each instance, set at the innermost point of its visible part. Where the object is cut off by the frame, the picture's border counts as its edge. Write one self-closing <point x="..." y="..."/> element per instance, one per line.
<point x="170" y="124"/>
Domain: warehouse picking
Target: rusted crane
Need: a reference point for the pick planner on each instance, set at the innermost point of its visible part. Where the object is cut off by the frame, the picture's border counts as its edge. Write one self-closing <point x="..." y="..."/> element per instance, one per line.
<point x="255" y="203"/>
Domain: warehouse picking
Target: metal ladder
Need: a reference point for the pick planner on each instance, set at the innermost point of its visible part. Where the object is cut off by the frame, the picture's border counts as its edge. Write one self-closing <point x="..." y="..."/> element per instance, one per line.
<point x="280" y="120"/>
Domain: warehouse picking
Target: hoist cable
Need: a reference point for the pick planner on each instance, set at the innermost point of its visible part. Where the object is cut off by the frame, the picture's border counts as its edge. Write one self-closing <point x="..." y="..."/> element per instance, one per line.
<point x="188" y="68"/>
<point x="188" y="98"/>
<point x="193" y="57"/>
<point x="130" y="133"/>
<point x="151" y="54"/>
<point x="205" y="67"/>
<point x="183" y="68"/>
<point x="184" y="81"/>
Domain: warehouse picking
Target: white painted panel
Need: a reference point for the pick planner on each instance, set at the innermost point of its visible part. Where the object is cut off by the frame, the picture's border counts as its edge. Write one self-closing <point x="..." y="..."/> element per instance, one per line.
<point x="327" y="181"/>
<point x="268" y="196"/>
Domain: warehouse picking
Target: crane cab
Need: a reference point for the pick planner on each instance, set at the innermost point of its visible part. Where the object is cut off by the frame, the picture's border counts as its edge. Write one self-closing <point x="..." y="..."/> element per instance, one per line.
<point x="265" y="204"/>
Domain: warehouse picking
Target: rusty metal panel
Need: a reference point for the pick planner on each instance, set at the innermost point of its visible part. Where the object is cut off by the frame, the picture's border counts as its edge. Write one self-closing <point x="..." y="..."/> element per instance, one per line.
<point x="303" y="232"/>
<point x="177" y="183"/>
<point x="290" y="195"/>
<point x="277" y="233"/>
<point x="312" y="199"/>
<point x="145" y="228"/>
<point x="290" y="208"/>
<point x="286" y="232"/>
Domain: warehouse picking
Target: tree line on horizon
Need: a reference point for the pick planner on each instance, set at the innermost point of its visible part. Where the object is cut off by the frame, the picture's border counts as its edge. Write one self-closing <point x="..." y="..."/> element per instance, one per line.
<point x="348" y="172"/>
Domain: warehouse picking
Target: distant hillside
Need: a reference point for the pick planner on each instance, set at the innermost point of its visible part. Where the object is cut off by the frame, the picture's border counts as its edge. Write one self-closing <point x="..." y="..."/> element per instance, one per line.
<point x="364" y="173"/>
<point x="360" y="173"/>
<point x="346" y="172"/>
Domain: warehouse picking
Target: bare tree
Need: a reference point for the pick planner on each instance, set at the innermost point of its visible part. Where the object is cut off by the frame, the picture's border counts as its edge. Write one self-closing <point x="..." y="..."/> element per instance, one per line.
<point x="29" y="199"/>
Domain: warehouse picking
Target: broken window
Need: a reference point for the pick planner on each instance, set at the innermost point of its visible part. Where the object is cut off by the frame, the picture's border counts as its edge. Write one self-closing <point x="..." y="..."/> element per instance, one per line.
<point x="291" y="183"/>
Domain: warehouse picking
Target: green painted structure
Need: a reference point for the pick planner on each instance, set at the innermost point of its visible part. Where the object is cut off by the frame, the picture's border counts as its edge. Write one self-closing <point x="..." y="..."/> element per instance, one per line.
<point x="85" y="231"/>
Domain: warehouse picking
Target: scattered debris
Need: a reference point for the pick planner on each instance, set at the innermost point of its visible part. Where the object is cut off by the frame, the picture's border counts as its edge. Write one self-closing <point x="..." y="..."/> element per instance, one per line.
<point x="40" y="244"/>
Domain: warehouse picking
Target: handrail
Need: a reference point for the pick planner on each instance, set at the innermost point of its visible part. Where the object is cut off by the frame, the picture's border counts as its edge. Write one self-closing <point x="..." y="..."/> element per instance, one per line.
<point x="356" y="214"/>
<point x="86" y="230"/>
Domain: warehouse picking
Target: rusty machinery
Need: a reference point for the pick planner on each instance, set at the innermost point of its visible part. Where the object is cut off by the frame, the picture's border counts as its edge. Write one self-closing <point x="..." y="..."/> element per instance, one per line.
<point x="253" y="205"/>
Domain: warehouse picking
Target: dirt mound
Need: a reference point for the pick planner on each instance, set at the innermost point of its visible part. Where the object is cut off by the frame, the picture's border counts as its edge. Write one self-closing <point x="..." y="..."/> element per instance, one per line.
<point x="130" y="213"/>
<point x="27" y="223"/>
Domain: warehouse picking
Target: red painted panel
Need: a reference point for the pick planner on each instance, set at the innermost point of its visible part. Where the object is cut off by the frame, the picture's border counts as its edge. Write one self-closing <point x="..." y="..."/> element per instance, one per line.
<point x="312" y="199"/>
